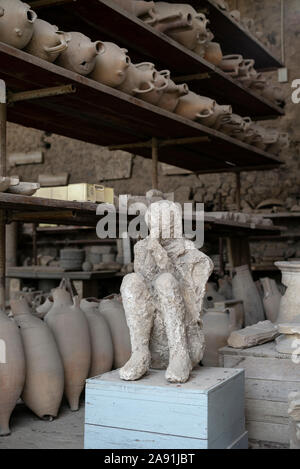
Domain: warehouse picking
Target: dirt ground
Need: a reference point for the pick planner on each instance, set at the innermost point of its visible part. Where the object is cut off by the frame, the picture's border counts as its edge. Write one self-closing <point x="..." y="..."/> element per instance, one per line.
<point x="29" y="432"/>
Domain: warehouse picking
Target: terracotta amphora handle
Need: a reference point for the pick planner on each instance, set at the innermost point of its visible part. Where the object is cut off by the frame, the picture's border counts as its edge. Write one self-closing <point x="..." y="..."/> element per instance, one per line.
<point x="138" y="91"/>
<point x="60" y="48"/>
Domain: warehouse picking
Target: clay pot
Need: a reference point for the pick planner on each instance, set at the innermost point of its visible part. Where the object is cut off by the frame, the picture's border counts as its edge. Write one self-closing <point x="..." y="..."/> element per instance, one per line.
<point x="71" y="331"/>
<point x="12" y="371"/>
<point x="235" y="15"/>
<point x="16" y="23"/>
<point x="221" y="4"/>
<point x="136" y="7"/>
<point x="271" y="299"/>
<point x="216" y="119"/>
<point x="232" y="124"/>
<point x="176" y="23"/>
<point x="44" y="308"/>
<point x="24" y="188"/>
<point x="213" y="53"/>
<point x="171" y="95"/>
<point x="140" y="79"/>
<point x="113" y="312"/>
<point x="195" y="107"/>
<point x="101" y="341"/>
<point x="244" y="289"/>
<point x="289" y="307"/>
<point x="246" y="67"/>
<point x="81" y="53"/>
<point x="47" y="41"/>
<point x="111" y="66"/>
<point x="44" y="383"/>
<point x="161" y="83"/>
<point x="230" y="64"/>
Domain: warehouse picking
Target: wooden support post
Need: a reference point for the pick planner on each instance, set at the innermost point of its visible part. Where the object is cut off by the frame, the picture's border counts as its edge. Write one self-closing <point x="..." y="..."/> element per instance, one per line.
<point x="34" y="245"/>
<point x="2" y="174"/>
<point x="154" y="163"/>
<point x="238" y="190"/>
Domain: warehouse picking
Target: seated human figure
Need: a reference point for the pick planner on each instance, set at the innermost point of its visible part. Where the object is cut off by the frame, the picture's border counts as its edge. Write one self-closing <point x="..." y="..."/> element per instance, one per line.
<point x="163" y="298"/>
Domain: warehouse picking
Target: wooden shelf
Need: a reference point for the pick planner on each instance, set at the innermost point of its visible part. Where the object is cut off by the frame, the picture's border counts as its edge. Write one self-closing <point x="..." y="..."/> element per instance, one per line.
<point x="105" y="116"/>
<point x="102" y="19"/>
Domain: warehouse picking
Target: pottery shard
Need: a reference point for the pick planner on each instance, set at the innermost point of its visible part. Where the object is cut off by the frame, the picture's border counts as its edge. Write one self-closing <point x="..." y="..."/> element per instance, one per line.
<point x="251" y="336"/>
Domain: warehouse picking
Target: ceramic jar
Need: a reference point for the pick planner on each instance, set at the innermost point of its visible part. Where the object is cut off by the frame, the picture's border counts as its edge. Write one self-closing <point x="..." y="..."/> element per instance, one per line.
<point x="140" y="79"/>
<point x="217" y="118"/>
<point x="16" y="23"/>
<point x="136" y="7"/>
<point x="245" y="289"/>
<point x="44" y="308"/>
<point x="111" y="66"/>
<point x="171" y="95"/>
<point x="161" y="83"/>
<point x="112" y="310"/>
<point x="213" y="53"/>
<point x="175" y="23"/>
<point x="81" y="53"/>
<point x="101" y="341"/>
<point x="195" y="107"/>
<point x="71" y="331"/>
<point x="44" y="383"/>
<point x="271" y="298"/>
<point x="232" y="124"/>
<point x="289" y="307"/>
<point x="12" y="370"/>
<point x="47" y="41"/>
<point x="231" y="64"/>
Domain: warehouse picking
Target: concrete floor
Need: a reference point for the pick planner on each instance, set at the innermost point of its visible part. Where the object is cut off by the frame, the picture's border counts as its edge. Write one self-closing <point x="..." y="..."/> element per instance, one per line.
<point x="29" y="432"/>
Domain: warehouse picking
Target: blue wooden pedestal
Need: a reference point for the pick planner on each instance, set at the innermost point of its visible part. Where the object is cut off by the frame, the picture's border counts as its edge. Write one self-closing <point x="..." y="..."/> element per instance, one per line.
<point x="206" y="412"/>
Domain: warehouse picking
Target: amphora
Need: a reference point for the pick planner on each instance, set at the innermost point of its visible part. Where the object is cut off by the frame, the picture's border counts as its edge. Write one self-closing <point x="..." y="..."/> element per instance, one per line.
<point x="16" y="23"/>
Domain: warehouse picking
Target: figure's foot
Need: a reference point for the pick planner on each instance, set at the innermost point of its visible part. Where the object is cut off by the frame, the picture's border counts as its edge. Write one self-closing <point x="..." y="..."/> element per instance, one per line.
<point x="137" y="366"/>
<point x="179" y="369"/>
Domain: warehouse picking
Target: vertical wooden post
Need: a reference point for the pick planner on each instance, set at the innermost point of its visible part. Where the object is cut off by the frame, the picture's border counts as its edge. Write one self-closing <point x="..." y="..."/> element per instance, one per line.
<point x="154" y="163"/>
<point x="34" y="244"/>
<point x="2" y="174"/>
<point x="238" y="190"/>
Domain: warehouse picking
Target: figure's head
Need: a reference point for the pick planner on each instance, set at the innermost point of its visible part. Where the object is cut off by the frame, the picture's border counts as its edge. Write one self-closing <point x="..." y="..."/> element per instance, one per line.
<point x="164" y="220"/>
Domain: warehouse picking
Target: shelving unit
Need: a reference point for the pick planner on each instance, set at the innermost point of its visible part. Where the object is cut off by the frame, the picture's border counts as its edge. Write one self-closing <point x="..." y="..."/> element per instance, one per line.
<point x="37" y="94"/>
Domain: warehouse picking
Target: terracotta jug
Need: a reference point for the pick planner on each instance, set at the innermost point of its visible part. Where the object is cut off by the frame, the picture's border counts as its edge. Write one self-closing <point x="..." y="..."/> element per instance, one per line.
<point x="289" y="307"/>
<point x="16" y="23"/>
<point x="234" y="123"/>
<point x="244" y="289"/>
<point x="171" y="95"/>
<point x="195" y="107"/>
<point x="136" y="7"/>
<point x="231" y="64"/>
<point x="12" y="370"/>
<point x="44" y="308"/>
<point x="113" y="311"/>
<point x="71" y="331"/>
<point x="111" y="66"/>
<point x="81" y="53"/>
<point x="139" y="79"/>
<point x="101" y="341"/>
<point x="213" y="53"/>
<point x="47" y="41"/>
<point x="161" y="83"/>
<point x="177" y="23"/>
<point x="44" y="383"/>
<point x="271" y="298"/>
<point x="245" y="67"/>
<point x="215" y="120"/>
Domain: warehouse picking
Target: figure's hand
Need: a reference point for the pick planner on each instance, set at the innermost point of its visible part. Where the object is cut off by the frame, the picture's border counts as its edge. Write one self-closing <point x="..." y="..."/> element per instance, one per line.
<point x="159" y="254"/>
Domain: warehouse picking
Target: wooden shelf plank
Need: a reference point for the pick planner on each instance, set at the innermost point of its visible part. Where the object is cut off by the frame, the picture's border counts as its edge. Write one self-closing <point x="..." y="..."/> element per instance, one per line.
<point x="105" y="116"/>
<point x="105" y="20"/>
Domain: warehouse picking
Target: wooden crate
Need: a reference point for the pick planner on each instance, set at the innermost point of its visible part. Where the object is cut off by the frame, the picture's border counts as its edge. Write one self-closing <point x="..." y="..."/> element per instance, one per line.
<point x="269" y="378"/>
<point x="206" y="412"/>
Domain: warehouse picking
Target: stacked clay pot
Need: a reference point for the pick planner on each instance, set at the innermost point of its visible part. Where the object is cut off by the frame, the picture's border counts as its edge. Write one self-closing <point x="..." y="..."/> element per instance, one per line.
<point x="136" y="7"/>
<point x="47" y="41"/>
<point x="16" y="23"/>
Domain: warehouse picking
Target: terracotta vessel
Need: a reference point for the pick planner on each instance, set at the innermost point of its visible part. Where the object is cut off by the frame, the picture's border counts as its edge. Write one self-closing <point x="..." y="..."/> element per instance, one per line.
<point x="24" y="188"/>
<point x="244" y="289"/>
<point x="161" y="83"/>
<point x="44" y="308"/>
<point x="16" y="23"/>
<point x="101" y="341"/>
<point x="171" y="95"/>
<point x="236" y="15"/>
<point x="213" y="53"/>
<point x="12" y="370"/>
<point x="289" y="307"/>
<point x="111" y="66"/>
<point x="71" y="331"/>
<point x="177" y="23"/>
<point x="195" y="107"/>
<point x="113" y="312"/>
<point x="44" y="383"/>
<point x="47" y="41"/>
<point x="137" y="7"/>
<point x="271" y="298"/>
<point x="232" y="124"/>
<point x="216" y="119"/>
<point x="245" y="67"/>
<point x="221" y="4"/>
<point x="140" y="79"/>
<point x="81" y="53"/>
<point x="231" y="63"/>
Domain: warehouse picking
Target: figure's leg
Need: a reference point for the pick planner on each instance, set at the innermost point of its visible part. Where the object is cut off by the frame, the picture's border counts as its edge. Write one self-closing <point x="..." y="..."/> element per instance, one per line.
<point x="139" y="312"/>
<point x="173" y="311"/>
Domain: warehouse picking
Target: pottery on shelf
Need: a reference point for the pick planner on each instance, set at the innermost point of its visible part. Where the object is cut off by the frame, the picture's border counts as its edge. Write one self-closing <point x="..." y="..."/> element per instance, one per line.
<point x="140" y="79"/>
<point x="170" y="97"/>
<point x="111" y="66"/>
<point x="101" y="341"/>
<point x="161" y="83"/>
<point x="245" y="289"/>
<point x="71" y="331"/>
<point x="12" y="370"/>
<point x="16" y="23"/>
<point x="112" y="310"/>
<point x="213" y="53"/>
<point x="24" y="188"/>
<point x="217" y="118"/>
<point x="71" y="259"/>
<point x="289" y="307"/>
<point x="81" y="53"/>
<point x="44" y="383"/>
<point x="231" y="63"/>
<point x="271" y="298"/>
<point x="195" y="107"/>
<point x="44" y="308"/>
<point x="136" y="7"/>
<point x="47" y="41"/>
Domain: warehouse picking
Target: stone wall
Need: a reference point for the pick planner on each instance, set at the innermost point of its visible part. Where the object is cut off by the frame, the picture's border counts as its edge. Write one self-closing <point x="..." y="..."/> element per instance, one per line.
<point x="85" y="162"/>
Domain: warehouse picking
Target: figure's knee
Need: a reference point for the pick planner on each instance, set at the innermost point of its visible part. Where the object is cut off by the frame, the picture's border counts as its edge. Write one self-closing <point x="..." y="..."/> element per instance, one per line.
<point x="166" y="283"/>
<point x="132" y="282"/>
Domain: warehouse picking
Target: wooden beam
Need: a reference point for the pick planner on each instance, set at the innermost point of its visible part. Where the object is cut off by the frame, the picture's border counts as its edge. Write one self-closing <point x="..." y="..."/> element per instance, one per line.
<point x="155" y="147"/>
<point x="41" y="93"/>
